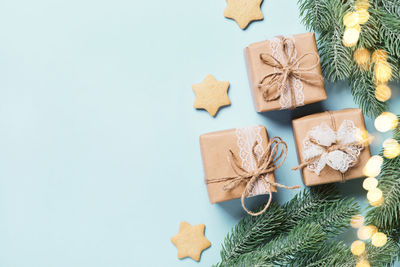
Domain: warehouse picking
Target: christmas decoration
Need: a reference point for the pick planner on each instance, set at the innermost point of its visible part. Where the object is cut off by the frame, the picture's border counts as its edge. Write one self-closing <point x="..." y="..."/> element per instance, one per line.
<point x="328" y="146"/>
<point x="190" y="241"/>
<point x="211" y="94"/>
<point x="243" y="12"/>
<point x="301" y="233"/>
<point x="285" y="72"/>
<point x="383" y="92"/>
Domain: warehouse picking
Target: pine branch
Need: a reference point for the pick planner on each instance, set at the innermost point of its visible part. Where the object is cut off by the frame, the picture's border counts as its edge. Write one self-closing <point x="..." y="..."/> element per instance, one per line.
<point x="335" y="218"/>
<point x="389" y="31"/>
<point x="363" y="91"/>
<point x="313" y="12"/>
<point x="284" y="249"/>
<point x="382" y="256"/>
<point x="387" y="216"/>
<point x="305" y="203"/>
<point x="252" y="232"/>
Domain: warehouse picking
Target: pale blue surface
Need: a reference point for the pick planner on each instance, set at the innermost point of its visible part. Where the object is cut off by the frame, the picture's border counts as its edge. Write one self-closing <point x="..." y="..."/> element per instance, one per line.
<point x="99" y="153"/>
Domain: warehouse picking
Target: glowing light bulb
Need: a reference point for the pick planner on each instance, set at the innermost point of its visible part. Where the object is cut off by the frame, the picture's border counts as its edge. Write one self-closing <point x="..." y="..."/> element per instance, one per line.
<point x="366" y="232"/>
<point x="383" y="92"/>
<point x="391" y="148"/>
<point x="350" y="37"/>
<point x="363" y="263"/>
<point x="361" y="57"/>
<point x="361" y="4"/>
<point x="382" y="72"/>
<point x="377" y="203"/>
<point x="357" y="221"/>
<point x="373" y="166"/>
<point x="363" y="15"/>
<point x="370" y="183"/>
<point x="374" y="195"/>
<point x="386" y="121"/>
<point x="379" y="55"/>
<point x="379" y="239"/>
<point x="357" y="247"/>
<point x="350" y="19"/>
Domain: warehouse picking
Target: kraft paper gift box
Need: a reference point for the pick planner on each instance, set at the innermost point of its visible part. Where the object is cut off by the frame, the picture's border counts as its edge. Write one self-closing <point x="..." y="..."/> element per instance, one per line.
<point x="335" y="120"/>
<point x="305" y="84"/>
<point x="215" y="148"/>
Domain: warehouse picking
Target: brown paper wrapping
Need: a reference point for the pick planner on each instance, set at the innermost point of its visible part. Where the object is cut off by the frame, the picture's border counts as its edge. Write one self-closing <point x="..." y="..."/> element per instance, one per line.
<point x="256" y="69"/>
<point x="301" y="127"/>
<point x="214" y="150"/>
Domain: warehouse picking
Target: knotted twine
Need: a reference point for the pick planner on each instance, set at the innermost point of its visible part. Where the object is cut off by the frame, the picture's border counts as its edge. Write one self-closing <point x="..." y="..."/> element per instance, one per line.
<point x="265" y="165"/>
<point x="290" y="67"/>
<point x="346" y="148"/>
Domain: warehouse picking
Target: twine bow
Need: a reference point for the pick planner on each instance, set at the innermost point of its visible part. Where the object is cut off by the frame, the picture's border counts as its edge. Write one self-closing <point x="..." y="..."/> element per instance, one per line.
<point x="266" y="164"/>
<point x="274" y="83"/>
<point x="338" y="149"/>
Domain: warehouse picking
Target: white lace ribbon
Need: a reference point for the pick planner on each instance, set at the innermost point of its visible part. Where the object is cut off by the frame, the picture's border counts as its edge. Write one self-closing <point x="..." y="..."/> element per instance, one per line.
<point x="246" y="137"/>
<point x="276" y="46"/>
<point x="320" y="138"/>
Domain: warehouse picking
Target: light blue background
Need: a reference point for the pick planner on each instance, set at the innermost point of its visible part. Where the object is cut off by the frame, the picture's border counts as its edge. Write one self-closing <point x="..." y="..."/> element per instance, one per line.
<point x="99" y="152"/>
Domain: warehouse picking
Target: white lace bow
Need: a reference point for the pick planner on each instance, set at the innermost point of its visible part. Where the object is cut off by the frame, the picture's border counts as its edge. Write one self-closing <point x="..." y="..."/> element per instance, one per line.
<point x="320" y="141"/>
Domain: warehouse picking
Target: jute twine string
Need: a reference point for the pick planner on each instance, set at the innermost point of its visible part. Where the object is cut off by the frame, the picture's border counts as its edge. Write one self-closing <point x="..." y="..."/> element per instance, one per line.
<point x="266" y="164"/>
<point x="346" y="148"/>
<point x="287" y="69"/>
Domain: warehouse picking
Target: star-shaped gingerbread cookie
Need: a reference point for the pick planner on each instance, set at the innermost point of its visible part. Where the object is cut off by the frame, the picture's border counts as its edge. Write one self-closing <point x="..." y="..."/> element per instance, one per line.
<point x="243" y="11"/>
<point x="211" y="94"/>
<point x="190" y="241"/>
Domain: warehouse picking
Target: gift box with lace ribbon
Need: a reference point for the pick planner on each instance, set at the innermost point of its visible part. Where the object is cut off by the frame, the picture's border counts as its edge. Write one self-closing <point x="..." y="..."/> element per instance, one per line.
<point x="331" y="146"/>
<point x="240" y="163"/>
<point x="285" y="72"/>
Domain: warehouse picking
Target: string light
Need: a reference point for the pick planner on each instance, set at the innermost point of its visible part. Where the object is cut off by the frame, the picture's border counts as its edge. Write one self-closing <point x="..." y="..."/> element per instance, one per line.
<point x="363" y="15"/>
<point x="383" y="92"/>
<point x="391" y="148"/>
<point x="366" y="232"/>
<point x="379" y="55"/>
<point x="362" y="57"/>
<point x="357" y="247"/>
<point x="379" y="239"/>
<point x="350" y="19"/>
<point x="373" y="166"/>
<point x="374" y="195"/>
<point x="363" y="263"/>
<point x="377" y="203"/>
<point x="350" y="37"/>
<point x="357" y="221"/>
<point x="361" y="4"/>
<point x="382" y="71"/>
<point x="386" y="121"/>
<point x="370" y="183"/>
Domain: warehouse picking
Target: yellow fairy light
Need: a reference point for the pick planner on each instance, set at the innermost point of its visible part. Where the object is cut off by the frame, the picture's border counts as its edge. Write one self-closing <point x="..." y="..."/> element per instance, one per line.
<point x="363" y="263"/>
<point x="361" y="57"/>
<point x="366" y="232"/>
<point x="364" y="137"/>
<point x="374" y="195"/>
<point x="391" y="148"/>
<point x="377" y="203"/>
<point x="363" y="16"/>
<point x="370" y="183"/>
<point x="350" y="37"/>
<point x="361" y="4"/>
<point x="379" y="55"/>
<point x="379" y="239"/>
<point x="357" y="247"/>
<point x="382" y="71"/>
<point x="386" y="121"/>
<point x="373" y="166"/>
<point x="382" y="92"/>
<point x="350" y="19"/>
<point x="357" y="221"/>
